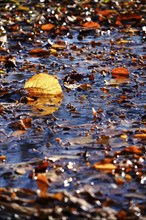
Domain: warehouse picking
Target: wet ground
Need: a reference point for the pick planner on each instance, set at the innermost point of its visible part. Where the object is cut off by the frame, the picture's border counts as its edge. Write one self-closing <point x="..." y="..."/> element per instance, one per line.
<point x="87" y="159"/>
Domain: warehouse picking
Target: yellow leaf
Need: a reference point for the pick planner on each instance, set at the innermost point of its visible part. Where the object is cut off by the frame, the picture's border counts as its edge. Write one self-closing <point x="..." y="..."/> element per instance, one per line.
<point x="48" y="92"/>
<point x="43" y="84"/>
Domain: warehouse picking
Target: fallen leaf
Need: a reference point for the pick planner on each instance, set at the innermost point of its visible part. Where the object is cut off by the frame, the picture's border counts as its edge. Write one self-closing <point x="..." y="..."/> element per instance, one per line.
<point x="42" y="184"/>
<point x="43" y="84"/>
<point x="130" y="149"/>
<point x="105" y="164"/>
<point x="3" y="158"/>
<point x="91" y="24"/>
<point x="141" y="136"/>
<point x="39" y="52"/>
<point x="108" y="166"/>
<point x="48" y="92"/>
<point x="105" y="13"/>
<point x="120" y="72"/>
<point x="22" y="124"/>
<point x="47" y="27"/>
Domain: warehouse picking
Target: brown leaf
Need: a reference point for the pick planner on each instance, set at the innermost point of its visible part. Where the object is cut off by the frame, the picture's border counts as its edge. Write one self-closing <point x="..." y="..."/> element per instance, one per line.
<point x="39" y="52"/>
<point x="47" y="27"/>
<point x="21" y="124"/>
<point x="91" y="24"/>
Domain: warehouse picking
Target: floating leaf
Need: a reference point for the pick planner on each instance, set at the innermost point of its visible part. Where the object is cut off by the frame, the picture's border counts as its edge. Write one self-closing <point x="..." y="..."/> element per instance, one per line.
<point x="141" y="136"/>
<point x="108" y="166"/>
<point x="48" y="92"/>
<point x="39" y="52"/>
<point x="105" y="13"/>
<point x="42" y="184"/>
<point x="47" y="27"/>
<point x="130" y="149"/>
<point x="3" y="158"/>
<point x="91" y="24"/>
<point x="21" y="124"/>
<point x="105" y="164"/>
<point x="43" y="84"/>
<point x="120" y="71"/>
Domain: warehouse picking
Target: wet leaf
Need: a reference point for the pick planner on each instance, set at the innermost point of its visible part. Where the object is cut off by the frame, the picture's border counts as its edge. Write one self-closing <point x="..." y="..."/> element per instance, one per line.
<point x="47" y="27"/>
<point x="42" y="184"/>
<point x="39" y="52"/>
<point x="105" y="13"/>
<point x="108" y="166"/>
<point x="2" y="158"/>
<point x="91" y="25"/>
<point x="48" y="92"/>
<point x="43" y="84"/>
<point x="120" y="72"/>
<point x="105" y="164"/>
<point x="130" y="149"/>
<point x="140" y="135"/>
<point x="21" y="124"/>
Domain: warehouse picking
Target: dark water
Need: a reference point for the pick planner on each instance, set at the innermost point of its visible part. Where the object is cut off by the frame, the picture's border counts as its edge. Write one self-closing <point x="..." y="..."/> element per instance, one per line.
<point x="72" y="140"/>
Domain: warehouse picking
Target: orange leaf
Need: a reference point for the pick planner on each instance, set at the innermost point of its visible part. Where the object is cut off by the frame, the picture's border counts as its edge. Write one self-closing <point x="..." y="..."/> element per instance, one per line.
<point x="42" y="184"/>
<point x="47" y="27"/>
<point x="120" y="71"/>
<point x="131" y="149"/>
<point x="91" y="24"/>
<point x="105" y="164"/>
<point x="141" y="136"/>
<point x="58" y="196"/>
<point x="2" y="158"/>
<point x="108" y="166"/>
<point x="129" y="16"/>
<point x="105" y="13"/>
